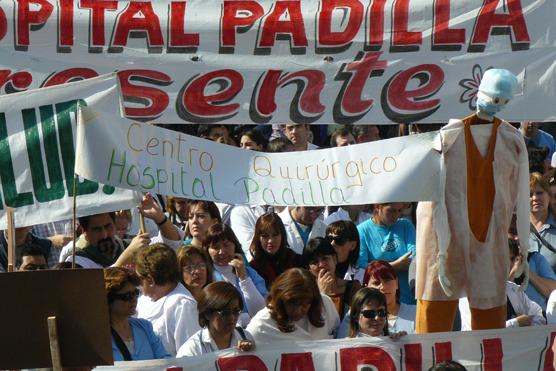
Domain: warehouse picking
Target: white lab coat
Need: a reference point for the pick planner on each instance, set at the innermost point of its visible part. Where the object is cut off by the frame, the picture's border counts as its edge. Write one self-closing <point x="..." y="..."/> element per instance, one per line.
<point x="242" y="222"/>
<point x="265" y="331"/>
<point x="174" y="317"/>
<point x="295" y="241"/>
<point x="202" y="343"/>
<point x="520" y="302"/>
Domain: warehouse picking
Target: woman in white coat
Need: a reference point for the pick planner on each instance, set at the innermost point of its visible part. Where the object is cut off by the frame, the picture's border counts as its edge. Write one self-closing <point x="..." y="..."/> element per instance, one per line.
<point x="165" y="302"/>
<point x="295" y="310"/>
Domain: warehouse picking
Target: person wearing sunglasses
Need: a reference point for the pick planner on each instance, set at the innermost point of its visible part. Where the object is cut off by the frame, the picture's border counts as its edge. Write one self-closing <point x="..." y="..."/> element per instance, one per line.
<point x="368" y="315"/>
<point x="132" y="338"/>
<point x="219" y="307"/>
<point x="195" y="269"/>
<point x="344" y="238"/>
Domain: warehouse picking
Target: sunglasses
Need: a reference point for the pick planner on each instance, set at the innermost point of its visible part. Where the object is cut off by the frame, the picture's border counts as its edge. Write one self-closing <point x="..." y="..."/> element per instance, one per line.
<point x="338" y="240"/>
<point x="128" y="296"/>
<point x="226" y="313"/>
<point x="372" y="313"/>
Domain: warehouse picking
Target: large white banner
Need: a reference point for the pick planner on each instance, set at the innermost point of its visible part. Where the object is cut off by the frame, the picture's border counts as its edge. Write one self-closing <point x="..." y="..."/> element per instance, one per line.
<point x="276" y="61"/>
<point x="37" y="154"/>
<point x="519" y="349"/>
<point x="122" y="153"/>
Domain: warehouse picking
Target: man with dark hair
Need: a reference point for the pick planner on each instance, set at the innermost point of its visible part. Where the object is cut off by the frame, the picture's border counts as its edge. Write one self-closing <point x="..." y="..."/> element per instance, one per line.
<point x="342" y="137"/>
<point x="99" y="246"/>
<point x="299" y="135"/>
<point x="23" y="239"/>
<point x="366" y="133"/>
<point x="215" y="133"/>
<point x="32" y="258"/>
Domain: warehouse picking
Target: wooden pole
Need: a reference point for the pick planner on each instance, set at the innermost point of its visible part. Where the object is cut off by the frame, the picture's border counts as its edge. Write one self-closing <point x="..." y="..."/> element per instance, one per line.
<point x="74" y="219"/>
<point x="142" y="223"/>
<point x="54" y="344"/>
<point x="11" y="239"/>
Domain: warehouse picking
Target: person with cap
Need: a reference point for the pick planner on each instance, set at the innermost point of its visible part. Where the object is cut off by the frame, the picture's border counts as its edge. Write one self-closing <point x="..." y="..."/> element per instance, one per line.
<point x="461" y="238"/>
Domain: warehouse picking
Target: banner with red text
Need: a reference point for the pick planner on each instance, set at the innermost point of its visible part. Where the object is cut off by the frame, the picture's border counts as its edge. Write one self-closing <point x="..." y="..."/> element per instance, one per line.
<point x="37" y="154"/>
<point x="143" y="157"/>
<point x="513" y="349"/>
<point x="276" y="61"/>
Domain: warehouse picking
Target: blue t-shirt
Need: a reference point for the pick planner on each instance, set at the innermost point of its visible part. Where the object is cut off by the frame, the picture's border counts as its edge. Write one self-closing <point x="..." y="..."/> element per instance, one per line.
<point x="388" y="243"/>
<point x="539" y="265"/>
<point x="543" y="139"/>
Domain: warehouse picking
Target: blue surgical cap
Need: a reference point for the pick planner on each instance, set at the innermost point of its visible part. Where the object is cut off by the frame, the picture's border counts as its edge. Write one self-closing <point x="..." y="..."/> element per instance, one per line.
<point x="499" y="83"/>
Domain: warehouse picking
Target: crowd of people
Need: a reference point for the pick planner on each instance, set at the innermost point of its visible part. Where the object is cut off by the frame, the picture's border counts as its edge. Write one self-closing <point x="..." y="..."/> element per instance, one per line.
<point x="204" y="277"/>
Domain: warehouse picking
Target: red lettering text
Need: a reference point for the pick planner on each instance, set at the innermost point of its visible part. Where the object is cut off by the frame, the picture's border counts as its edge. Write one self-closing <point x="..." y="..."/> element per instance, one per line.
<point x="413" y="357"/>
<point x="69" y="75"/>
<point x="351" y="358"/>
<point x="243" y="362"/>
<point x="26" y="18"/>
<point x="444" y="38"/>
<point x="130" y="25"/>
<point x="65" y="23"/>
<point x="238" y="16"/>
<point x="178" y="39"/>
<point x="326" y="36"/>
<point x="297" y="362"/>
<point x="488" y="22"/>
<point x="195" y="106"/>
<point x="154" y="100"/>
<point x="98" y="7"/>
<point x="402" y="39"/>
<point x="376" y="24"/>
<point x="305" y="107"/>
<point x="293" y="26"/>
<point x="15" y="82"/>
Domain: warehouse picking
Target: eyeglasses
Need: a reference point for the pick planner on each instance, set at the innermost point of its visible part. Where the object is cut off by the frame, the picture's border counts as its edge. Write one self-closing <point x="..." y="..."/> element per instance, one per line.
<point x="190" y="268"/>
<point x="228" y="312"/>
<point x="338" y="240"/>
<point x="372" y="313"/>
<point x="128" y="296"/>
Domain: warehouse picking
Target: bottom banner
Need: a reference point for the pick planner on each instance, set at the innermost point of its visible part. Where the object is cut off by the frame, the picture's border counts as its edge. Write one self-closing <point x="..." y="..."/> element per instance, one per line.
<point x="512" y="349"/>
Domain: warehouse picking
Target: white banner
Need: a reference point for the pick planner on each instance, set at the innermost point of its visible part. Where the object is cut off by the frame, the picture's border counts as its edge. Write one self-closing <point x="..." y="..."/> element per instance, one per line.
<point x="276" y="61"/>
<point x="37" y="154"/>
<point x="146" y="158"/>
<point x="513" y="349"/>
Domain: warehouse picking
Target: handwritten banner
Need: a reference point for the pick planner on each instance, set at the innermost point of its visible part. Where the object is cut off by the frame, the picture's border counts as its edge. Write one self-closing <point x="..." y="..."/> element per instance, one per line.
<point x="276" y="61"/>
<point x="516" y="349"/>
<point x="126" y="154"/>
<point x="37" y="154"/>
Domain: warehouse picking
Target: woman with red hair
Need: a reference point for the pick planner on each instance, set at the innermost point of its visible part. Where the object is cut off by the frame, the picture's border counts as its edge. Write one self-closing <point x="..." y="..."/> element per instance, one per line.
<point x="382" y="276"/>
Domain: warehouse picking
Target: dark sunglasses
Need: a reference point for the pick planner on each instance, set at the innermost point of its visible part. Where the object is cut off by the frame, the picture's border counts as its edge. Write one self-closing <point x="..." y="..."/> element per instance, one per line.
<point x="228" y="312"/>
<point x="338" y="240"/>
<point x="128" y="296"/>
<point x="372" y="313"/>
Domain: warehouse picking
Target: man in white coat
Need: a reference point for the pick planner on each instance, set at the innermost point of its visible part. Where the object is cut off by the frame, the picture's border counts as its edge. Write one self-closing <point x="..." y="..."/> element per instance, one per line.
<point x="302" y="223"/>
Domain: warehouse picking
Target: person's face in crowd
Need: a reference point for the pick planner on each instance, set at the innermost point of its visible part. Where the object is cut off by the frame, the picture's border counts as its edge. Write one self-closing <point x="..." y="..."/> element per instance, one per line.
<point x="195" y="272"/>
<point x="325" y="263"/>
<point x="539" y="199"/>
<point x="247" y="143"/>
<point x="218" y="132"/>
<point x="125" y="302"/>
<point x="529" y="129"/>
<point x="342" y="246"/>
<point x="374" y="133"/>
<point x="347" y="140"/>
<point x="388" y="287"/>
<point x="199" y="221"/>
<point x="372" y="319"/>
<point x="181" y="207"/>
<point x="33" y="263"/>
<point x="270" y="242"/>
<point x="100" y="233"/>
<point x="222" y="252"/>
<point x="297" y="134"/>
<point x="122" y="226"/>
<point x="307" y="215"/>
<point x="388" y="214"/>
<point x="223" y="321"/>
<point x="296" y="309"/>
